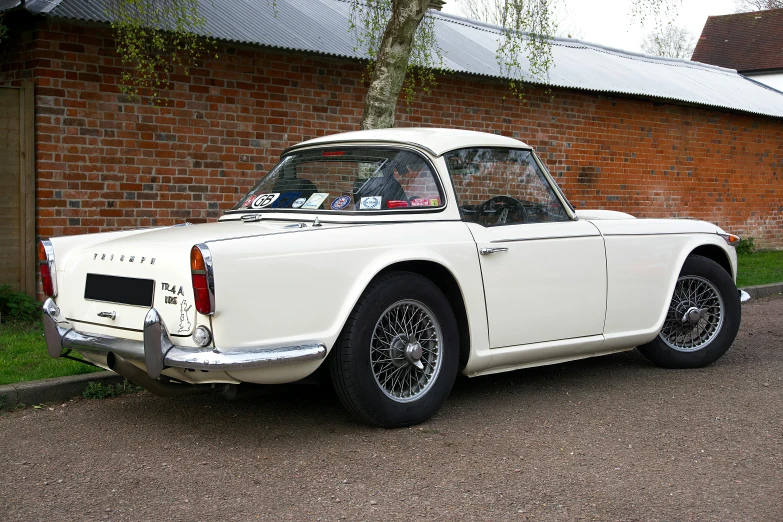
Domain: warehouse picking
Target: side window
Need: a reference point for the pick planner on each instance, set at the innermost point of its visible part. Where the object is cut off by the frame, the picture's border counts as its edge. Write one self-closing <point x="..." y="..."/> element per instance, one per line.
<point x="502" y="187"/>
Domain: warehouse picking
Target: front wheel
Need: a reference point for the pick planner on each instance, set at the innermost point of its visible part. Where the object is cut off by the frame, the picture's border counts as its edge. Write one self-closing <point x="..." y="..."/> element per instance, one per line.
<point x="702" y="320"/>
<point x="397" y="357"/>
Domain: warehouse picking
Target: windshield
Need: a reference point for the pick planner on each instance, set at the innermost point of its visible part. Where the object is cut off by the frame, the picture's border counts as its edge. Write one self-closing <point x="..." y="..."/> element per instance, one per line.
<point x="347" y="179"/>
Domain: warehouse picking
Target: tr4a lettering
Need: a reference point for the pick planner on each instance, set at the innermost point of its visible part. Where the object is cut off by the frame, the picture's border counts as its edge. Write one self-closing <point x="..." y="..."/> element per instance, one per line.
<point x="175" y="291"/>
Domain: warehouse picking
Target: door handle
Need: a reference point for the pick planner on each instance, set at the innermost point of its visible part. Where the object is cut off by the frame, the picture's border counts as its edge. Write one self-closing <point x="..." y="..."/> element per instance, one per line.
<point x="484" y="251"/>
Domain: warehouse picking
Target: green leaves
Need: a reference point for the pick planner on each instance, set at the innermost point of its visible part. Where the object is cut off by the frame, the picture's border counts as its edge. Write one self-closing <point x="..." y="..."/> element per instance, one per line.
<point x="18" y="305"/>
<point x="154" y="38"/>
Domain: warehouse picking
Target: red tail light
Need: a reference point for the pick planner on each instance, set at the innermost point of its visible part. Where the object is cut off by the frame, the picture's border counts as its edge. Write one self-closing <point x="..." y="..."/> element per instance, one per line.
<point x="203" y="279"/>
<point x="46" y="263"/>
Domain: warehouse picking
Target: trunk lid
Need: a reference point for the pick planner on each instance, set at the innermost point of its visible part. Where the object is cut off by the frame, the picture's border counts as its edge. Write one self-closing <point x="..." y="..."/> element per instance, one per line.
<point x="113" y="283"/>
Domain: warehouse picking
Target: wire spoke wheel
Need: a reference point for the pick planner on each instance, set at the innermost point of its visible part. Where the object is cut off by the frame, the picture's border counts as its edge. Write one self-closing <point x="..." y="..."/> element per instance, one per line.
<point x="695" y="314"/>
<point x="406" y="350"/>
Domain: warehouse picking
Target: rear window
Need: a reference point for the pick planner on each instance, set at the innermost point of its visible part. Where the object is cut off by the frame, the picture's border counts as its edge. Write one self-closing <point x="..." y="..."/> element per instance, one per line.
<point x="353" y="179"/>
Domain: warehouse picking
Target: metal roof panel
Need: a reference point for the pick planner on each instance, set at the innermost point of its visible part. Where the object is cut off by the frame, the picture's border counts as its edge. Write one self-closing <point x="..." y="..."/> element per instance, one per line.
<point x="322" y="26"/>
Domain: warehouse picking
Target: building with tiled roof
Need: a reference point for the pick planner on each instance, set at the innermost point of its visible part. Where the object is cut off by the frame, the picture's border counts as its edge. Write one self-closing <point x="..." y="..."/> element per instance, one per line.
<point x="751" y="43"/>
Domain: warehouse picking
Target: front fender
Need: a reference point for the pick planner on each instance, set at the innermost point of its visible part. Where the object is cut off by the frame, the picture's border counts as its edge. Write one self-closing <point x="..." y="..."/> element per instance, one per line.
<point x="642" y="273"/>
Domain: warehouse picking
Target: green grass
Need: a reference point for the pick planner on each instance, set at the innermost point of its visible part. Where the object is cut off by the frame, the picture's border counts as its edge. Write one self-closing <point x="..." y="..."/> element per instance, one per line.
<point x="23" y="355"/>
<point x="760" y="268"/>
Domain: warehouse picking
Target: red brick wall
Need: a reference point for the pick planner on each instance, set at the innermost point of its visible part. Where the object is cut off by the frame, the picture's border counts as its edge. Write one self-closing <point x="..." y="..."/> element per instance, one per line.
<point x="105" y="163"/>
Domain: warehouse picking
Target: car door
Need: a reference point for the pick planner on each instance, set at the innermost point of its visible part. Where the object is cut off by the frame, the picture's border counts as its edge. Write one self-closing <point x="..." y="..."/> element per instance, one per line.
<point x="544" y="272"/>
<point x="542" y="281"/>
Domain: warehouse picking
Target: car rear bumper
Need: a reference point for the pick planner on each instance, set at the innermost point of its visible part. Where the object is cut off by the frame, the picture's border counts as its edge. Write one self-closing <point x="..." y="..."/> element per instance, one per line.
<point x="157" y="352"/>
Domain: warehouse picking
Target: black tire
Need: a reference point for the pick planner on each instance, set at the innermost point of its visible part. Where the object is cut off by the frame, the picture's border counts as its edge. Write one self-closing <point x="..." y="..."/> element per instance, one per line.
<point x="718" y="336"/>
<point x="353" y="372"/>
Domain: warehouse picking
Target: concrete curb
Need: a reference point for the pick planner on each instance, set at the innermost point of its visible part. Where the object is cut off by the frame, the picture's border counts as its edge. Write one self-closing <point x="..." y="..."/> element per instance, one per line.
<point x="62" y="389"/>
<point x="764" y="290"/>
<point x="54" y="390"/>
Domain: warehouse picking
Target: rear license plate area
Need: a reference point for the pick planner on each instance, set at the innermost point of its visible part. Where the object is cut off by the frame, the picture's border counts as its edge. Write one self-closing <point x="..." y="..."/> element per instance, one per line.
<point x="121" y="290"/>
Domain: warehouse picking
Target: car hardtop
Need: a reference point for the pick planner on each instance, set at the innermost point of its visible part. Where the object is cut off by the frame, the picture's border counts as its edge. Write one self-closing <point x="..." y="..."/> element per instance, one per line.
<point x="434" y="141"/>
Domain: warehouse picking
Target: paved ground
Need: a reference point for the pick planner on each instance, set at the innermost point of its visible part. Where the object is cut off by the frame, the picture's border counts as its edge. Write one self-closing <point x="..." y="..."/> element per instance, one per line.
<point x="612" y="438"/>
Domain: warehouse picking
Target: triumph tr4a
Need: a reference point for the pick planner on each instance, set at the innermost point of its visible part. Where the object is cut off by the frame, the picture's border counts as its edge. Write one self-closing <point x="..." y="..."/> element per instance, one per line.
<point x="395" y="259"/>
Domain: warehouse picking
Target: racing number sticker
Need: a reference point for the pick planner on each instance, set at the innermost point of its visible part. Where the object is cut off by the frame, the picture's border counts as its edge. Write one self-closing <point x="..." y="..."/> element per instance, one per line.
<point x="264" y="200"/>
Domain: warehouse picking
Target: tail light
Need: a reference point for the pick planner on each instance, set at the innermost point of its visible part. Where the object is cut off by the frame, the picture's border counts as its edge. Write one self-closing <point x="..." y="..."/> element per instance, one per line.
<point x="203" y="279"/>
<point x="46" y="263"/>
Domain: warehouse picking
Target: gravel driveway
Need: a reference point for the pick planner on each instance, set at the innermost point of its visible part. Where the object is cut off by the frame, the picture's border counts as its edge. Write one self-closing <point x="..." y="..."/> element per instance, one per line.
<point x="611" y="438"/>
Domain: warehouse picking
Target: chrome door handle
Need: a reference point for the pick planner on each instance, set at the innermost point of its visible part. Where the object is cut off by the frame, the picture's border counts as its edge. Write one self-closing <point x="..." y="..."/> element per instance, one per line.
<point x="484" y="251"/>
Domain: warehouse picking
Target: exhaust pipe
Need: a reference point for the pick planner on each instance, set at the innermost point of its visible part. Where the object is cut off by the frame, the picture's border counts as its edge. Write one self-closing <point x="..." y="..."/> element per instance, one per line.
<point x="139" y="377"/>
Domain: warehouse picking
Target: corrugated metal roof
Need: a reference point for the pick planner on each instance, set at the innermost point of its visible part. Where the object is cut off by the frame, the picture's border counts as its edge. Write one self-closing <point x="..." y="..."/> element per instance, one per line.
<point x="321" y="26"/>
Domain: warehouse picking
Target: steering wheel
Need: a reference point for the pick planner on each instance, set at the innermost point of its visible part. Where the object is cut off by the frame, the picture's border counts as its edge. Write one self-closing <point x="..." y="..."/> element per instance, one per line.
<point x="502" y="208"/>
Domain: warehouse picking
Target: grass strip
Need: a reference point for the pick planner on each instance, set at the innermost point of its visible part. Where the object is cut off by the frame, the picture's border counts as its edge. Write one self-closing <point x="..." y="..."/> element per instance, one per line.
<point x="23" y="355"/>
<point x="760" y="268"/>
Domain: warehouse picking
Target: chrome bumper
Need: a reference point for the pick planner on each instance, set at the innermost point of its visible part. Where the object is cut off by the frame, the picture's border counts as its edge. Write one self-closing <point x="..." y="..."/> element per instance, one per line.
<point x="158" y="352"/>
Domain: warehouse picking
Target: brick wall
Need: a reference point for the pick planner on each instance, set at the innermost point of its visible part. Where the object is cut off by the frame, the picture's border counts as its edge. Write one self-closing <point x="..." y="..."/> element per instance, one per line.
<point x="104" y="163"/>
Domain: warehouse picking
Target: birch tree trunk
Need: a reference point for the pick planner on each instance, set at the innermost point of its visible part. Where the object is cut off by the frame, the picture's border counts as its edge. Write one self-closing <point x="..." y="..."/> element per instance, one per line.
<point x="391" y="64"/>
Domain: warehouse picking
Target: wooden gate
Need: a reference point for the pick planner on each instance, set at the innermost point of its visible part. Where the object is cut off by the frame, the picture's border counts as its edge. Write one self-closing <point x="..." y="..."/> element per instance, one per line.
<point x="17" y="189"/>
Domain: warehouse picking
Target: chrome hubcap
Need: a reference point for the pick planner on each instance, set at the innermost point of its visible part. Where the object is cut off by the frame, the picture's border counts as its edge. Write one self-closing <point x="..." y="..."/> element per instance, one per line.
<point x="695" y="315"/>
<point x="406" y="351"/>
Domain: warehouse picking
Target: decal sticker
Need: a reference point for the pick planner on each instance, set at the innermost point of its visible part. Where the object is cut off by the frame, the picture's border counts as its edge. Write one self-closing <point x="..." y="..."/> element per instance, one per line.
<point x="341" y="202"/>
<point x="370" y="203"/>
<point x="396" y="204"/>
<point x="435" y="202"/>
<point x="174" y="289"/>
<point x="286" y="199"/>
<point x="298" y="203"/>
<point x="420" y="202"/>
<point x="264" y="200"/>
<point x="315" y="200"/>
<point x="184" y="322"/>
<point x="248" y="201"/>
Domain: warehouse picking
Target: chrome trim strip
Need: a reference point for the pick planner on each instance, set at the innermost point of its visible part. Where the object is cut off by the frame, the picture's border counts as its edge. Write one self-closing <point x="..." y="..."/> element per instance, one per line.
<point x="158" y="352"/>
<point x="49" y="249"/>
<point x="659" y="234"/>
<point x="207" y="255"/>
<point x="542" y="238"/>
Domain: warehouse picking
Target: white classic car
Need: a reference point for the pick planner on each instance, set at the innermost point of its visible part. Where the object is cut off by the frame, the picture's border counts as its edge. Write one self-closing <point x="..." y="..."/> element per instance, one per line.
<point x="398" y="258"/>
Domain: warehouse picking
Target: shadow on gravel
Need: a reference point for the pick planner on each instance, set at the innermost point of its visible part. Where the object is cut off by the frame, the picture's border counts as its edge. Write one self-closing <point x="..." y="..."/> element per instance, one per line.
<point x="310" y="411"/>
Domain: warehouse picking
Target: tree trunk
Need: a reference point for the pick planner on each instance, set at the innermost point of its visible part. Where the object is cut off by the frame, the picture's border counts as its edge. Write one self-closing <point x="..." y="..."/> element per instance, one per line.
<point x="391" y="64"/>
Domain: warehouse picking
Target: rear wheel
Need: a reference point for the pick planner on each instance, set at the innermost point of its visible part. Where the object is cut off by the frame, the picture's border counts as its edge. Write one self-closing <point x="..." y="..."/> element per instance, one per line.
<point x="702" y="320"/>
<point x="396" y="360"/>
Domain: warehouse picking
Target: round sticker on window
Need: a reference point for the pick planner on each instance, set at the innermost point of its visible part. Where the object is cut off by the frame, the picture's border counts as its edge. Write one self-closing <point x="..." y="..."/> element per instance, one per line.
<point x="370" y="203"/>
<point x="298" y="203"/>
<point x="341" y="202"/>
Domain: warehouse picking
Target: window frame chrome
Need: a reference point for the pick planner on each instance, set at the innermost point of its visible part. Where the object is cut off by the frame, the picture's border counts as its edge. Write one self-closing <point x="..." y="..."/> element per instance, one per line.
<point x="426" y="154"/>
